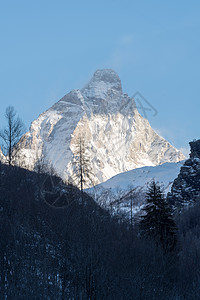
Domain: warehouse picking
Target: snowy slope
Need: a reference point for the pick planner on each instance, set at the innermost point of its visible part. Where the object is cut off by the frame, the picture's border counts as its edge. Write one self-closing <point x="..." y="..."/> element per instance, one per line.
<point x="141" y="177"/>
<point x="117" y="137"/>
<point x="117" y="192"/>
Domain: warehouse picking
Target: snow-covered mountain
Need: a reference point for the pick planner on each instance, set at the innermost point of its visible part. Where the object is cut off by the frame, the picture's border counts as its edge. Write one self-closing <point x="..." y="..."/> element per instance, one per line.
<point x="117" y="192"/>
<point x="141" y="177"/>
<point x="117" y="137"/>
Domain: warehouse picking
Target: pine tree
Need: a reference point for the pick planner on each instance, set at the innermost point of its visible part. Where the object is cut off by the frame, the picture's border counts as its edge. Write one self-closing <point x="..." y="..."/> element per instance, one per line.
<point x="158" y="223"/>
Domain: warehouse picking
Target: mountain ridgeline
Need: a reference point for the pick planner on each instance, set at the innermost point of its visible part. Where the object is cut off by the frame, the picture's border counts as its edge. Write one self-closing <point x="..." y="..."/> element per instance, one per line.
<point x="117" y="138"/>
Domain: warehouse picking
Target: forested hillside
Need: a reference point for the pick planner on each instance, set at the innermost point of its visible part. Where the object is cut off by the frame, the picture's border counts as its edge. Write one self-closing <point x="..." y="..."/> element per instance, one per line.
<point x="54" y="246"/>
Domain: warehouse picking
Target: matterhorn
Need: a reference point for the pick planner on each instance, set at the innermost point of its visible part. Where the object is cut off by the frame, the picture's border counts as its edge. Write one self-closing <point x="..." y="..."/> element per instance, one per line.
<point x="116" y="136"/>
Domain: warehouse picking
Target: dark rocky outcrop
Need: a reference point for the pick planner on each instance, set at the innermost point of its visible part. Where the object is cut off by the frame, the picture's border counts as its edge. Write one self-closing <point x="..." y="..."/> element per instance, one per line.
<point x="186" y="187"/>
<point x="195" y="149"/>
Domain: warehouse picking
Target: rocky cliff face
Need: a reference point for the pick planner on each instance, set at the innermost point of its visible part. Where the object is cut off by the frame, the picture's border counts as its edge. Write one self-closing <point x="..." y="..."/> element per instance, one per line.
<point x="116" y="136"/>
<point x="186" y="187"/>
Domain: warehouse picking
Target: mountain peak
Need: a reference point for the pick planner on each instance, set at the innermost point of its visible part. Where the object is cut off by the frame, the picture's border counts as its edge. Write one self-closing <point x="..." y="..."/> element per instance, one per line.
<point x="102" y="81"/>
<point x="108" y="76"/>
<point x="118" y="138"/>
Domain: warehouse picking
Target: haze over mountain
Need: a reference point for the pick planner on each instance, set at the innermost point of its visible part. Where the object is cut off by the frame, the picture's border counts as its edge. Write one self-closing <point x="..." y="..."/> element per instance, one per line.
<point x="116" y="136"/>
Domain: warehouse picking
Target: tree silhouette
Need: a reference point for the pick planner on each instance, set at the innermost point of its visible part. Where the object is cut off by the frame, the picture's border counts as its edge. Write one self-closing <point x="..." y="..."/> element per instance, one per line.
<point x="82" y="171"/>
<point x="11" y="134"/>
<point x="158" y="223"/>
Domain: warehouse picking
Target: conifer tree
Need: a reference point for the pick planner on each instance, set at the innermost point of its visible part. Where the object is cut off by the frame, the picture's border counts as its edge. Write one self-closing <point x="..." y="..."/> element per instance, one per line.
<point x="158" y="223"/>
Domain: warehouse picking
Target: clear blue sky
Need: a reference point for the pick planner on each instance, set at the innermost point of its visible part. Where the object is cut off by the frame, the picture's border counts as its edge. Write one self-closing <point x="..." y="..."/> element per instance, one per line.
<point x="51" y="47"/>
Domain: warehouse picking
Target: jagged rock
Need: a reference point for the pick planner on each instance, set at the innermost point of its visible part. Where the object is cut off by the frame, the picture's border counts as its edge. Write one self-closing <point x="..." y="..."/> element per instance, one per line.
<point x="195" y="149"/>
<point x="117" y="137"/>
<point x="186" y="187"/>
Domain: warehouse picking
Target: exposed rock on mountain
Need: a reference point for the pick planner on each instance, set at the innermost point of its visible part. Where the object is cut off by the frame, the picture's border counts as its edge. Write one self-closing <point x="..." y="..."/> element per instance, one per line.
<point x="186" y="187"/>
<point x="117" y="137"/>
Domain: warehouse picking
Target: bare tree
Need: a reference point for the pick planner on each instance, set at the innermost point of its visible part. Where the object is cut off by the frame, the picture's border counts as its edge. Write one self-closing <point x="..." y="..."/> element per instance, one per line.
<point x="11" y="134"/>
<point x="82" y="171"/>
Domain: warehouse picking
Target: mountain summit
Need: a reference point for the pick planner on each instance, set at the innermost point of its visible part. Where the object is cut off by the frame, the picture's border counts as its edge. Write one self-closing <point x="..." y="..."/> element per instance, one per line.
<point x="117" y="137"/>
<point x="103" y="81"/>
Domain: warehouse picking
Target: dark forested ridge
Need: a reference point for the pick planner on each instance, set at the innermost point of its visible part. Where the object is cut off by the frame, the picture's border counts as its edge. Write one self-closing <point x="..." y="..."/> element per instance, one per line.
<point x="54" y="246"/>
